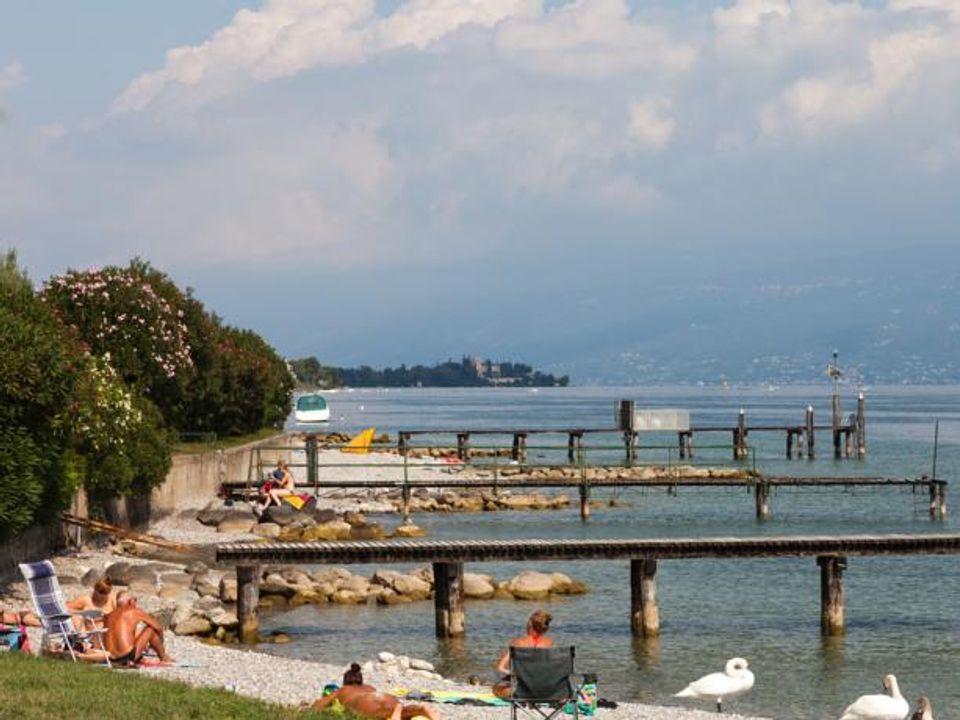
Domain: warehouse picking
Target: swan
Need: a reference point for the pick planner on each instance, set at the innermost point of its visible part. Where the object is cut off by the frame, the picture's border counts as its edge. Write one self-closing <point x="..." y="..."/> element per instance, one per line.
<point x="734" y="680"/>
<point x="890" y="706"/>
<point x="924" y="709"/>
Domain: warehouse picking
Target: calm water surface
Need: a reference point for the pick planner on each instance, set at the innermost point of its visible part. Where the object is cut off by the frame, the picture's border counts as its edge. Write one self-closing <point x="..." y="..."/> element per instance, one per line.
<point x="901" y="611"/>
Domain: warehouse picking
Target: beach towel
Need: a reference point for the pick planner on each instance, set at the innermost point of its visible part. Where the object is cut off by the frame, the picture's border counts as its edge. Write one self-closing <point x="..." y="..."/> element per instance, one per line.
<point x="297" y="501"/>
<point x="451" y="697"/>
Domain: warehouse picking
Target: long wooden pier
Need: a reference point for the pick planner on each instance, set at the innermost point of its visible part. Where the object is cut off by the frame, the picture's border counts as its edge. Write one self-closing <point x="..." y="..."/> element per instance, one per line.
<point x="761" y="485"/>
<point x="448" y="558"/>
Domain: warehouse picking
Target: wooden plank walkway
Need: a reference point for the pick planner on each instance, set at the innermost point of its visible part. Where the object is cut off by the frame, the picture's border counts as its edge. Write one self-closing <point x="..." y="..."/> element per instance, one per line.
<point x="448" y="558"/>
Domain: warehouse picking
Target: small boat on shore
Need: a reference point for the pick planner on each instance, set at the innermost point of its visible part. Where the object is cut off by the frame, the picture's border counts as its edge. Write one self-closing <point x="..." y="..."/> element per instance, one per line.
<point x="311" y="408"/>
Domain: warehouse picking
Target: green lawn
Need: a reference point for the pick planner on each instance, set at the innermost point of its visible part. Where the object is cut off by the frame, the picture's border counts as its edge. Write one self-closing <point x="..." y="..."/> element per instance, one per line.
<point x="38" y="689"/>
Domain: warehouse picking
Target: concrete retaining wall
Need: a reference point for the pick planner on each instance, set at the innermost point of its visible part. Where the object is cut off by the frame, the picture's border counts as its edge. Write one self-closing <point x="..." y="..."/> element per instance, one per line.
<point x="194" y="480"/>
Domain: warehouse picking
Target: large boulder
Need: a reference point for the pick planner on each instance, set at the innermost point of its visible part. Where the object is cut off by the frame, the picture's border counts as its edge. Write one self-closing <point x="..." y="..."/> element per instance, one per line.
<point x="174" y="586"/>
<point x="267" y="530"/>
<point x="228" y="589"/>
<point x="325" y="515"/>
<point x="208" y="584"/>
<point x="478" y="587"/>
<point x="188" y="620"/>
<point x="564" y="585"/>
<point x="366" y="531"/>
<point x="214" y="513"/>
<point x="412" y="587"/>
<point x="238" y="521"/>
<point x="530" y="585"/>
<point x="282" y="515"/>
<point x="331" y="574"/>
<point x="333" y="530"/>
<point x="274" y="584"/>
<point x="409" y="530"/>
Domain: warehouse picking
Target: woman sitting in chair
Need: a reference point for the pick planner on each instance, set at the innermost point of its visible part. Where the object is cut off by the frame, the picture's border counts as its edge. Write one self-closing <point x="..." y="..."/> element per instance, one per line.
<point x="537" y="626"/>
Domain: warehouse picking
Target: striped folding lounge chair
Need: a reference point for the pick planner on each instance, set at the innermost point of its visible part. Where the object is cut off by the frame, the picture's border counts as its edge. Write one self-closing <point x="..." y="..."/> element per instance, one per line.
<point x="56" y="619"/>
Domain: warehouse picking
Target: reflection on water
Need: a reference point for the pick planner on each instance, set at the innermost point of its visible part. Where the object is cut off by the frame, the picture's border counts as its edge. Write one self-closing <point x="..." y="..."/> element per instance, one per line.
<point x="900" y="610"/>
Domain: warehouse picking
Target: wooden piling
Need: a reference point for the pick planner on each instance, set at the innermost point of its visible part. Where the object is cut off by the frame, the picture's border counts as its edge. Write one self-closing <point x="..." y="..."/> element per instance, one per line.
<point x="519" y="451"/>
<point x="811" y="453"/>
<point x="403" y="443"/>
<point x="405" y="495"/>
<point x="584" y="501"/>
<point x="248" y="602"/>
<point x="832" y="594"/>
<point x="310" y="451"/>
<point x="644" y="612"/>
<point x="861" y="426"/>
<point x="740" y="449"/>
<point x="630" y="446"/>
<point x="571" y="447"/>
<point x="448" y="599"/>
<point x="848" y="442"/>
<point x="835" y="423"/>
<point x="789" y="444"/>
<point x="761" y="494"/>
<point x="463" y="446"/>
<point x="681" y="444"/>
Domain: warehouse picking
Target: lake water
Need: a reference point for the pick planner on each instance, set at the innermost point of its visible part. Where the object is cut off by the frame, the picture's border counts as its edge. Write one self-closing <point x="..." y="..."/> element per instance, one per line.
<point x="901" y="611"/>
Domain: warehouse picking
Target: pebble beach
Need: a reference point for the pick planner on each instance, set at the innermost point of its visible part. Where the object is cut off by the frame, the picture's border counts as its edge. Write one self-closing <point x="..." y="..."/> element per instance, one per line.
<point x="268" y="677"/>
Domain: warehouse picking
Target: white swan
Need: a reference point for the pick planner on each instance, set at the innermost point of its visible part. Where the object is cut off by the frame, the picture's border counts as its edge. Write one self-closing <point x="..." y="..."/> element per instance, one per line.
<point x="734" y="680"/>
<point x="890" y="706"/>
<point x="924" y="709"/>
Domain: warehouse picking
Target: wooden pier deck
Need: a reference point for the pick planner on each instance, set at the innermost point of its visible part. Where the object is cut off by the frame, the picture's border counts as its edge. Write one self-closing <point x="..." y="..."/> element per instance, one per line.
<point x="555" y="478"/>
<point x="449" y="556"/>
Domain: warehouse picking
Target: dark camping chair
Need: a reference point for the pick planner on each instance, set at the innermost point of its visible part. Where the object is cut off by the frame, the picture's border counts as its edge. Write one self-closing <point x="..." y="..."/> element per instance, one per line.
<point x="56" y="619"/>
<point x="542" y="677"/>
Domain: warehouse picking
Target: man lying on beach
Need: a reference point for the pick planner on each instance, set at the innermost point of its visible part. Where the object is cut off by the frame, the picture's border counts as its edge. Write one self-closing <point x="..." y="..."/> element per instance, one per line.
<point x="130" y="631"/>
<point x="365" y="701"/>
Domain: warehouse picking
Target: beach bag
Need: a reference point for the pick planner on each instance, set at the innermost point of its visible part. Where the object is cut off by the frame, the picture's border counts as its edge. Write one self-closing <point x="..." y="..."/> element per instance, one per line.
<point x="12" y="639"/>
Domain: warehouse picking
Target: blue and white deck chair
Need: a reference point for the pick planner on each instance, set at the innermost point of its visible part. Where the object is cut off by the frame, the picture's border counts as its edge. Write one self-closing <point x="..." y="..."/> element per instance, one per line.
<point x="56" y="619"/>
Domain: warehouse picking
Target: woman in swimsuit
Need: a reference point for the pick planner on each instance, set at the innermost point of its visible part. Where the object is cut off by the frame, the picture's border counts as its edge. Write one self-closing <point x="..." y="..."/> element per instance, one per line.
<point x="283" y="485"/>
<point x="537" y="626"/>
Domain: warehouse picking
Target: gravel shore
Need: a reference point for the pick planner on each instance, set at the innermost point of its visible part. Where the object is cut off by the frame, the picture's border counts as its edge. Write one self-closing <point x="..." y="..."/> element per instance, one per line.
<point x="292" y="682"/>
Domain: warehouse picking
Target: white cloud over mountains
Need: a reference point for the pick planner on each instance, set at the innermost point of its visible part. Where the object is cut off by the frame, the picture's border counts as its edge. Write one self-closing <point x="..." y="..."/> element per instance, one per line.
<point x="439" y="131"/>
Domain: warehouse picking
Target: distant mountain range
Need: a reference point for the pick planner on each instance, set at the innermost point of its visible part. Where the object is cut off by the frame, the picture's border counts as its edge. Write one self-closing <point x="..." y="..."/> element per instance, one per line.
<point x="888" y="329"/>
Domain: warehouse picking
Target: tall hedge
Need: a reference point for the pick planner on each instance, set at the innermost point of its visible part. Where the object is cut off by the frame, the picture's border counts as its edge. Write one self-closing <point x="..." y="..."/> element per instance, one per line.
<point x="38" y="374"/>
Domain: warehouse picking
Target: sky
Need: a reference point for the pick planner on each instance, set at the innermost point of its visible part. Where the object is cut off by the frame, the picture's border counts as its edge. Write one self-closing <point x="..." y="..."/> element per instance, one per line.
<point x="549" y="181"/>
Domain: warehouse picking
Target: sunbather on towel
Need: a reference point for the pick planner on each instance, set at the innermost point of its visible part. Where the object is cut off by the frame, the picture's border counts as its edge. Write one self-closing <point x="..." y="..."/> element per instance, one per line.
<point x="537" y="626"/>
<point x="130" y="631"/>
<point x="364" y="700"/>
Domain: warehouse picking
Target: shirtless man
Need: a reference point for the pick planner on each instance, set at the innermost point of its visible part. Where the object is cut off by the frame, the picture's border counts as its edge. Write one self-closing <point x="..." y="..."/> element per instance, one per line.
<point x="130" y="631"/>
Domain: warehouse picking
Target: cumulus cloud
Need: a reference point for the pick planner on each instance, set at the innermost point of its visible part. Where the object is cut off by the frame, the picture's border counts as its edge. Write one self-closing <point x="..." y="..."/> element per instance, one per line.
<point x="593" y="38"/>
<point x="286" y="37"/>
<point x="651" y="127"/>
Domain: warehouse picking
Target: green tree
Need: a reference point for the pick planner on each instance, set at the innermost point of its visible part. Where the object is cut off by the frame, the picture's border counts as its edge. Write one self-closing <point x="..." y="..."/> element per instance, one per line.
<point x="38" y="372"/>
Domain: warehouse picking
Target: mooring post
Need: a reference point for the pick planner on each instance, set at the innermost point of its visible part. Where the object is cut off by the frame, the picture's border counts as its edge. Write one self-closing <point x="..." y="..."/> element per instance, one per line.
<point x="630" y="446"/>
<point x="835" y="423"/>
<point x="584" y="500"/>
<point x="681" y="444"/>
<point x="248" y="602"/>
<point x="463" y="446"/>
<point x="789" y="444"/>
<point x="810" y="433"/>
<point x="831" y="594"/>
<point x="405" y="494"/>
<point x="740" y="452"/>
<point x="644" y="613"/>
<point x="861" y="426"/>
<point x="515" y="452"/>
<point x="310" y="450"/>
<point x="761" y="494"/>
<point x="571" y="447"/>
<point x="403" y="440"/>
<point x="448" y="599"/>
<point x="523" y="448"/>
